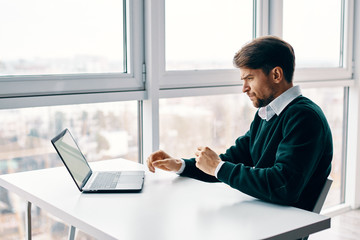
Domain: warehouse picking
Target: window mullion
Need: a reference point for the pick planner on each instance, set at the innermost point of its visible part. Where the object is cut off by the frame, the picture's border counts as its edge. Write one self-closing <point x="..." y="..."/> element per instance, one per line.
<point x="125" y="36"/>
<point x="276" y="18"/>
<point x="261" y="19"/>
<point x="154" y="19"/>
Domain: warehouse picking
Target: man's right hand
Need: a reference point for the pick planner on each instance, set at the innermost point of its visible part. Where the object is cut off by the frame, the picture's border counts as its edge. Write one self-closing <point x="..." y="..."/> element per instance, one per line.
<point x="164" y="161"/>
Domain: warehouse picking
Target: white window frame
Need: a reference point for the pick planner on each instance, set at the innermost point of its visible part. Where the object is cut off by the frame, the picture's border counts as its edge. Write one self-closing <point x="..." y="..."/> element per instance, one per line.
<point x="44" y="90"/>
<point x="344" y="73"/>
<point x="192" y="78"/>
<point x="268" y="16"/>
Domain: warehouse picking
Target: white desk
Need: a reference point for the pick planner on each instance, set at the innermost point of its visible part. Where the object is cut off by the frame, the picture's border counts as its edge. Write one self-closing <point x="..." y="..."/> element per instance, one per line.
<point x="169" y="207"/>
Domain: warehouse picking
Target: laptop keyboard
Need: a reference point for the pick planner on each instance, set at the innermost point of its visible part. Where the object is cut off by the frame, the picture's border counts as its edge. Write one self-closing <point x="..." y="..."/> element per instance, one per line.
<point x="106" y="180"/>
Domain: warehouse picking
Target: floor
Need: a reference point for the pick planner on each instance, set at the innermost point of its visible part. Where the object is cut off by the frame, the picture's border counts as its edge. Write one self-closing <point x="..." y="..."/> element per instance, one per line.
<point x="343" y="227"/>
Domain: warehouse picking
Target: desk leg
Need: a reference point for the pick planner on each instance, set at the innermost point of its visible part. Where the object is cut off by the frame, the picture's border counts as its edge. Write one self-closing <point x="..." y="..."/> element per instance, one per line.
<point x="72" y="231"/>
<point x="28" y="221"/>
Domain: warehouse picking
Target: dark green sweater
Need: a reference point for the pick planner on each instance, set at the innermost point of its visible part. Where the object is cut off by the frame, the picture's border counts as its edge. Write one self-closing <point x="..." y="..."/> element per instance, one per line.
<point x="285" y="160"/>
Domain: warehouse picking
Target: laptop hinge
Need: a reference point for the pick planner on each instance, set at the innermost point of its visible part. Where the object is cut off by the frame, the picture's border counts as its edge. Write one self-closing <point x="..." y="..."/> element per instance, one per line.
<point x="86" y="180"/>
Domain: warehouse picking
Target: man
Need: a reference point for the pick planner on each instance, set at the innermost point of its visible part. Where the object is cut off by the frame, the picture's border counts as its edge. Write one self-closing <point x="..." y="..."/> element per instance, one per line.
<point x="285" y="157"/>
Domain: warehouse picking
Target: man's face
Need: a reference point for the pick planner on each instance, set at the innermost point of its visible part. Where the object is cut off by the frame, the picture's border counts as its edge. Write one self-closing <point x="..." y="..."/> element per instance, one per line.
<point x="258" y="86"/>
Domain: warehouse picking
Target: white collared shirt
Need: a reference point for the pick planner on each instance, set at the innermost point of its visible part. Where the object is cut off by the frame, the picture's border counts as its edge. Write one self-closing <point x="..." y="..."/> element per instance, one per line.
<point x="279" y="104"/>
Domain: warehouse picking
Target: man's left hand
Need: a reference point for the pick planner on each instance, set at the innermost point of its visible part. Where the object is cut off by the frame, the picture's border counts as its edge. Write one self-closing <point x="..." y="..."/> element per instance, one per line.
<point x="207" y="160"/>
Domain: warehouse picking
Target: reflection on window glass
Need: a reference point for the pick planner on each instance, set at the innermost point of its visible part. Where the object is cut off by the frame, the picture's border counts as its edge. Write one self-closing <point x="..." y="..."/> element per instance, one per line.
<point x="103" y="131"/>
<point x="205" y="34"/>
<point x="216" y="121"/>
<point x="316" y="37"/>
<point x="60" y="37"/>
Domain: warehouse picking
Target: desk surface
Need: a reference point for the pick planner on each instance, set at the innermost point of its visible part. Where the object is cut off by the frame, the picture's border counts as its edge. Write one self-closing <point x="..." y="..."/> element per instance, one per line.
<point x="169" y="207"/>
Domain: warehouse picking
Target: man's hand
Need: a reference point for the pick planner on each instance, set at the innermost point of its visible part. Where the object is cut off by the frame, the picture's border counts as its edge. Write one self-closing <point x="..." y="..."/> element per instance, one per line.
<point x="164" y="161"/>
<point x="207" y="160"/>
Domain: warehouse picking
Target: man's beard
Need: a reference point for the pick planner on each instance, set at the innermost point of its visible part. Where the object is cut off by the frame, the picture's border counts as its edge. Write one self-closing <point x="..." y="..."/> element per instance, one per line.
<point x="264" y="102"/>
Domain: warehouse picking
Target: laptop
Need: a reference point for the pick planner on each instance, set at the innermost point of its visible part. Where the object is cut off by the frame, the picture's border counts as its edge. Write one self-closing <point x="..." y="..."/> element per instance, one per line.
<point x="89" y="181"/>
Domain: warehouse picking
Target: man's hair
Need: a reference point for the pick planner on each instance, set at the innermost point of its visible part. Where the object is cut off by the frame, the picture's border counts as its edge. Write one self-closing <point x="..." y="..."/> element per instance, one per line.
<point x="266" y="53"/>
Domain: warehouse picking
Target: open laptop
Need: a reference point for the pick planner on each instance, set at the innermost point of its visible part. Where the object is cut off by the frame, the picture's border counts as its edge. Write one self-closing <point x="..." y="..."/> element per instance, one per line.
<point x="87" y="180"/>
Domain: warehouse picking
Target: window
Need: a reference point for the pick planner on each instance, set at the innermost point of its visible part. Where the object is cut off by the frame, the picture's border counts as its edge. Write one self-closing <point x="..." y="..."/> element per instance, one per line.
<point x="103" y="131"/>
<point x="214" y="121"/>
<point x="205" y="34"/>
<point x="199" y="40"/>
<point x="316" y="38"/>
<point x="322" y="37"/>
<point x="62" y="37"/>
<point x="70" y="47"/>
<point x="332" y="102"/>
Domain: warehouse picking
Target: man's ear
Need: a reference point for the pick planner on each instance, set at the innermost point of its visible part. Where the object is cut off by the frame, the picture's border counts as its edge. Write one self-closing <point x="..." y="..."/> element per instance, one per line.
<point x="278" y="74"/>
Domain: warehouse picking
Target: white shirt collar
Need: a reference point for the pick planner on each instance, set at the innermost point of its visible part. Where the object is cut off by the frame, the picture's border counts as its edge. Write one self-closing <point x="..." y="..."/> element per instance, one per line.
<point x="279" y="104"/>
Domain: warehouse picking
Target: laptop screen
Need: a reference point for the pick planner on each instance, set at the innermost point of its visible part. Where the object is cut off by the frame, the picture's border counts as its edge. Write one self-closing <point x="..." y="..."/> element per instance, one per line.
<point x="72" y="157"/>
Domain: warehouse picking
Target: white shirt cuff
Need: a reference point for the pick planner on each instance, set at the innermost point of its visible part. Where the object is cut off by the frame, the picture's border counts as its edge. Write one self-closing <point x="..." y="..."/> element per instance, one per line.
<point x="218" y="168"/>
<point x="182" y="167"/>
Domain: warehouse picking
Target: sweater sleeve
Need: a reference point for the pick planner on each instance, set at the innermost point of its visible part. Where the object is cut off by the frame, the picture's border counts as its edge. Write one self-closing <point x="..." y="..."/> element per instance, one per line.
<point x="304" y="135"/>
<point x="240" y="151"/>
<point x="192" y="171"/>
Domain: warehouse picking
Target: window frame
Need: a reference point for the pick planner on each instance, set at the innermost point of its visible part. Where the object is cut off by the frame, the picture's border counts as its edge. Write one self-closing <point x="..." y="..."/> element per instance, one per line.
<point x="343" y="73"/>
<point x="267" y="20"/>
<point x="189" y="78"/>
<point x="40" y="88"/>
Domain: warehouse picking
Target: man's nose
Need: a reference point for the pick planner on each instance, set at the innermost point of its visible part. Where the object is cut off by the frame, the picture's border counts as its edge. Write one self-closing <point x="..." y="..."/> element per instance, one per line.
<point x="245" y="88"/>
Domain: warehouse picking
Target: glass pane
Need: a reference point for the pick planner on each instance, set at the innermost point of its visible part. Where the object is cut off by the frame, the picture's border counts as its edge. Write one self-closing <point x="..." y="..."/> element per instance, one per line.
<point x="103" y="131"/>
<point x="331" y="101"/>
<point x="316" y="37"/>
<point x="205" y="34"/>
<point x="187" y="123"/>
<point x="61" y="36"/>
